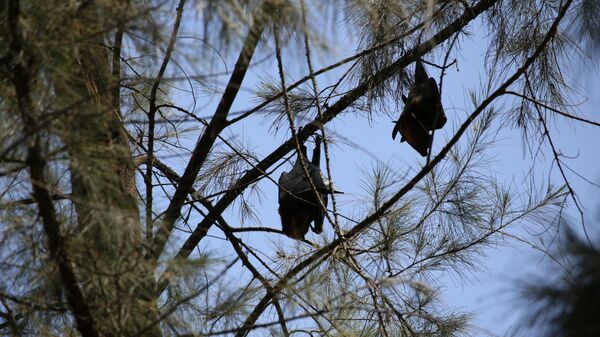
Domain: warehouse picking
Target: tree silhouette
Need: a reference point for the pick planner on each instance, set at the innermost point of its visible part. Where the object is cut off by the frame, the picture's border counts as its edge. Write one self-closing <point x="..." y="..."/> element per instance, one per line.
<point x="118" y="190"/>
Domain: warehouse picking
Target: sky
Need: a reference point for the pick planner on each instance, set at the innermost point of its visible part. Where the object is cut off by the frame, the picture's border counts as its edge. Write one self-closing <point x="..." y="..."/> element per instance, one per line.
<point x="490" y="293"/>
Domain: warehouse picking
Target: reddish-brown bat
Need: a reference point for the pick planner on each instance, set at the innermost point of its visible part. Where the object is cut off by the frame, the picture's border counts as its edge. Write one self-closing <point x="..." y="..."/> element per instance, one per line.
<point x="423" y="112"/>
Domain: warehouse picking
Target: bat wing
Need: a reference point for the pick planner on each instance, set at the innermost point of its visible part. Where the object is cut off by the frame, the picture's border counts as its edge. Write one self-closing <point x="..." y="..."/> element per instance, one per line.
<point x="414" y="134"/>
<point x="420" y="73"/>
<point x="438" y="109"/>
<point x="319" y="215"/>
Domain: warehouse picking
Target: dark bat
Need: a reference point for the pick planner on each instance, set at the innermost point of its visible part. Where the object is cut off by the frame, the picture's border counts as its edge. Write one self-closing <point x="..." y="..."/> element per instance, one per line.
<point x="423" y="112"/>
<point x="298" y="204"/>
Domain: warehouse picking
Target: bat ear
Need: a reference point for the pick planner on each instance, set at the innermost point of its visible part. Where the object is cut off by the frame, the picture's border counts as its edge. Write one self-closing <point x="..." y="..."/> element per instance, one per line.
<point x="420" y="74"/>
<point x="404" y="98"/>
<point x="303" y="150"/>
<point x="433" y="87"/>
<point x="396" y="129"/>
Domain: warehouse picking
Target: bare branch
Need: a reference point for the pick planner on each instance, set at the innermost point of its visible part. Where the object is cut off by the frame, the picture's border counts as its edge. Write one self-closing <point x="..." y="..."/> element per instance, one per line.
<point x="260" y="307"/>
<point x="209" y="136"/>
<point x="333" y="111"/>
<point x="151" y="117"/>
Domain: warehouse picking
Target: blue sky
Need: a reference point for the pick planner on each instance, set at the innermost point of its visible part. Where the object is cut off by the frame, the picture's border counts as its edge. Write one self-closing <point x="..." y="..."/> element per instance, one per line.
<point x="490" y="293"/>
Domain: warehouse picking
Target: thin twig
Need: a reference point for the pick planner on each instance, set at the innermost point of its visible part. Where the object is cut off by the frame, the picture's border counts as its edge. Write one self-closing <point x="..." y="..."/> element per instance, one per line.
<point x="316" y="256"/>
<point x="328" y="68"/>
<point x="556" y="155"/>
<point x="151" y="117"/>
<point x="320" y="116"/>
<point x="36" y="162"/>
<point x="330" y="113"/>
<point x="206" y="141"/>
<point x="442" y="75"/>
<point x="186" y="299"/>
<point x="546" y="106"/>
<point x="290" y="117"/>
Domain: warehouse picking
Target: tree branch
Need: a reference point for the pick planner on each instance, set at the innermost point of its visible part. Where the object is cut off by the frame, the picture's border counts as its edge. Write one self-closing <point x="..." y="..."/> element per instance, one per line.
<point x="334" y="66"/>
<point x="37" y="165"/>
<point x="548" y="107"/>
<point x="206" y="141"/>
<point x="333" y="111"/>
<point x="151" y="116"/>
<point x="484" y="4"/>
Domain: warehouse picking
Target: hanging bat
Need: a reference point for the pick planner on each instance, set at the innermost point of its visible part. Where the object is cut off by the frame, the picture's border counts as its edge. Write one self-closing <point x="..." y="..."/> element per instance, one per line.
<point x="423" y="112"/>
<point x="298" y="203"/>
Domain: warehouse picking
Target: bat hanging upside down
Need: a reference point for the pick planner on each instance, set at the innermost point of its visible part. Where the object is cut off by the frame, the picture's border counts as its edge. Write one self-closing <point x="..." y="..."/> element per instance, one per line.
<point x="298" y="203"/>
<point x="422" y="112"/>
